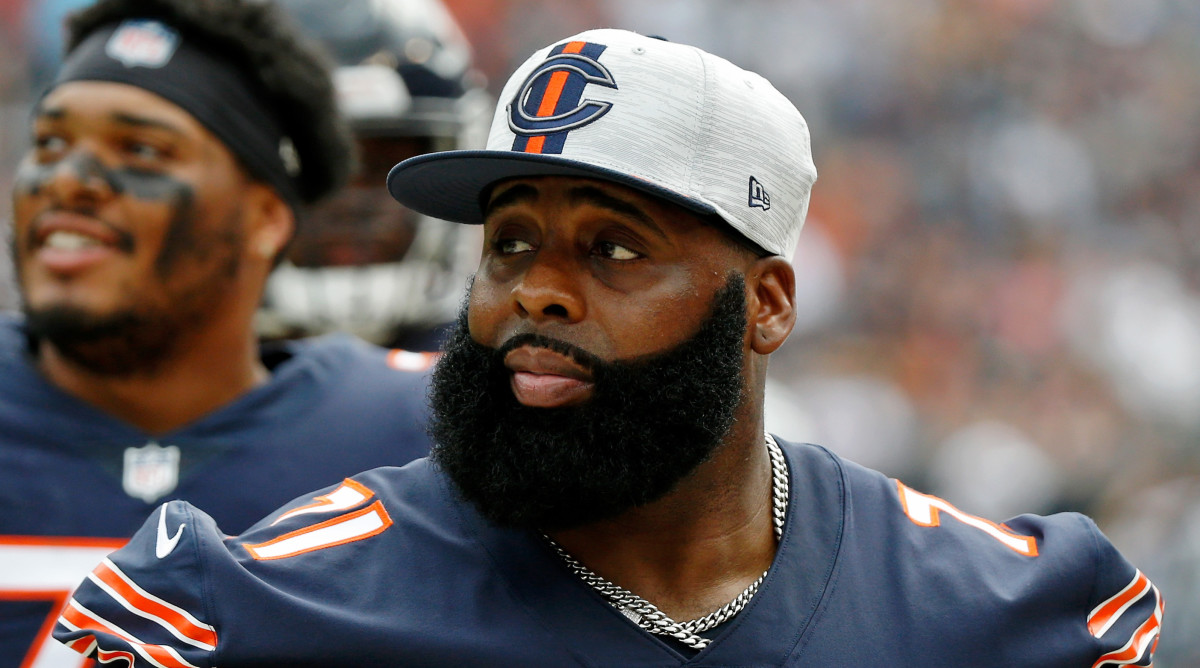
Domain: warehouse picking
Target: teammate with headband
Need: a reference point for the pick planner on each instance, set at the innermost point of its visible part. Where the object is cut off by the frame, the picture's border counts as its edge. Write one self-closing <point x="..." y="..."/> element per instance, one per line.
<point x="169" y="159"/>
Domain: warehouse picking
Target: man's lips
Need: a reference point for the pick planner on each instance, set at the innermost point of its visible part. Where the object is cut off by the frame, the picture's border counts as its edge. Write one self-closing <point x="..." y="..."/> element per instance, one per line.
<point x="66" y="242"/>
<point x="546" y="379"/>
<point x="54" y="221"/>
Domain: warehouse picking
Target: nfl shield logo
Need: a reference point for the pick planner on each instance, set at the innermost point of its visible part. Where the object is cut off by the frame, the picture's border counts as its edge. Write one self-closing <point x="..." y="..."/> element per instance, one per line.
<point x="142" y="43"/>
<point x="151" y="471"/>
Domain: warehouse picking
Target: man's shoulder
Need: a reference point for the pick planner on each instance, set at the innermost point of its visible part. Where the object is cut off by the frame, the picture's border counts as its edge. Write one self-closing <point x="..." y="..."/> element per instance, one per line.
<point x="416" y="491"/>
<point x="341" y="533"/>
<point x="877" y="505"/>
<point x="338" y="374"/>
<point x="387" y="566"/>
<point x="363" y="549"/>
<point x="962" y="578"/>
<point x="877" y="502"/>
<point x="338" y="354"/>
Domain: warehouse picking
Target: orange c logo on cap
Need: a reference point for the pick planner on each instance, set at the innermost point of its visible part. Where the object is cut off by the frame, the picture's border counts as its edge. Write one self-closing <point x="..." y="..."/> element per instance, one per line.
<point x="550" y="102"/>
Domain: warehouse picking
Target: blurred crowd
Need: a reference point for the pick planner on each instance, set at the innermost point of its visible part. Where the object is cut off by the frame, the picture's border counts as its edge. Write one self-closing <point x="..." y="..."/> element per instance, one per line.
<point x="1000" y="276"/>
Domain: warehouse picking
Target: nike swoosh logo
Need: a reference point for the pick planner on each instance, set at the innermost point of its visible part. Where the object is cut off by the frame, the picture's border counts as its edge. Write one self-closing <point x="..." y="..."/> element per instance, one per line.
<point x="164" y="544"/>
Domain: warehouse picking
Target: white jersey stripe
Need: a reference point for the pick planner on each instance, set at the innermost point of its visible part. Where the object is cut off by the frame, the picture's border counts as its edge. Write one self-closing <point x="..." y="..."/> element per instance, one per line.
<point x="1114" y="616"/>
<point x="102" y="655"/>
<point x="125" y="603"/>
<point x="1141" y="640"/>
<point x="142" y="648"/>
<point x="174" y="608"/>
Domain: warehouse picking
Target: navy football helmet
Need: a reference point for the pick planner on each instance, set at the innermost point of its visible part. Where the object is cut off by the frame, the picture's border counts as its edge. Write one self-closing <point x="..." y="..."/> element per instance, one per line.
<point x="360" y="262"/>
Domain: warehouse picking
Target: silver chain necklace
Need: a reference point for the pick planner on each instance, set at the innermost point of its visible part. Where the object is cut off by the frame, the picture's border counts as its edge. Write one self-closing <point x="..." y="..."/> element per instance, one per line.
<point x="646" y="615"/>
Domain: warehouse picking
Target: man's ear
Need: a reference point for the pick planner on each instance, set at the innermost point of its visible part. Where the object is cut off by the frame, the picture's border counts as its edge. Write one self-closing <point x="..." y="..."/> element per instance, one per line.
<point x="270" y="222"/>
<point x="772" y="303"/>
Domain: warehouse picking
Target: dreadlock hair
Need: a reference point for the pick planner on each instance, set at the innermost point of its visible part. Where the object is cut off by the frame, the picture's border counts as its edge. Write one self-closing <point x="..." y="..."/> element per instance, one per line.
<point x="290" y="71"/>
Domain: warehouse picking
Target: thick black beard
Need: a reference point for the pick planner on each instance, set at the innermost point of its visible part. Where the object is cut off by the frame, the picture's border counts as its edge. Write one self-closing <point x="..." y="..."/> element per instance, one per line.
<point x="649" y="423"/>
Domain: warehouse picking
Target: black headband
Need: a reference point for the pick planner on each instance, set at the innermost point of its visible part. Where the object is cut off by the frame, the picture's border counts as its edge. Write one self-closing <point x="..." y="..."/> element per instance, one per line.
<point x="155" y="57"/>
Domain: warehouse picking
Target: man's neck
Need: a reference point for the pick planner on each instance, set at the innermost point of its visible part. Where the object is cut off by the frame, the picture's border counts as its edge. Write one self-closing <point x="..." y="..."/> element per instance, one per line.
<point x="205" y="373"/>
<point x="697" y="548"/>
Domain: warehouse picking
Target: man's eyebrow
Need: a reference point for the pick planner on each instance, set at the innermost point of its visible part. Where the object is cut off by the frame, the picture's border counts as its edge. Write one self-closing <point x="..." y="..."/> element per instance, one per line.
<point x="51" y="113"/>
<point x="599" y="198"/>
<point x="120" y="118"/>
<point x="515" y="195"/>
<point x="123" y="118"/>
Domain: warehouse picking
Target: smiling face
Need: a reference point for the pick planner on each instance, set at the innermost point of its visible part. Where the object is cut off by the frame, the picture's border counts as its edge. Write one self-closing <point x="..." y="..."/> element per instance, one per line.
<point x="126" y="210"/>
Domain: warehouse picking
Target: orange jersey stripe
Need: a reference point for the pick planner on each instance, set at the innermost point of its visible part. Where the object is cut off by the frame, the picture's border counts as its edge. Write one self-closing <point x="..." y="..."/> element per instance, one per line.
<point x="83" y="645"/>
<point x="63" y="541"/>
<point x="85" y="620"/>
<point x="1109" y="611"/>
<point x="107" y="656"/>
<point x="156" y="610"/>
<point x="1146" y="634"/>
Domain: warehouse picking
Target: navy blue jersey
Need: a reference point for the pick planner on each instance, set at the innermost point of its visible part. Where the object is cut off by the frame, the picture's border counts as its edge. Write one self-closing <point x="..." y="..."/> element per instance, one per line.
<point x="75" y="482"/>
<point x="391" y="569"/>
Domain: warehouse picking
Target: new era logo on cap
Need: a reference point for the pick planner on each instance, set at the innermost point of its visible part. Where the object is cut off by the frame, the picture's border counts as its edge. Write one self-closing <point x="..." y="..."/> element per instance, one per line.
<point x="142" y="43"/>
<point x="758" y="195"/>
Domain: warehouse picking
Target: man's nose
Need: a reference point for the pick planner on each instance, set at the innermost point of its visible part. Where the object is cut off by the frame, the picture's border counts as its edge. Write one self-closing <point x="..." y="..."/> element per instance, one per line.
<point x="550" y="289"/>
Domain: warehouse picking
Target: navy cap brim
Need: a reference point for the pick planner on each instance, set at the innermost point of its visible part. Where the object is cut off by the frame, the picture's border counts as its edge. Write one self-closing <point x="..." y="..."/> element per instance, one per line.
<point x="450" y="185"/>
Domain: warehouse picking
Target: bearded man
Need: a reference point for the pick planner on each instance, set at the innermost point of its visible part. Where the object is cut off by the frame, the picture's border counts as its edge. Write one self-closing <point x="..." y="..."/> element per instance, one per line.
<point x="601" y="490"/>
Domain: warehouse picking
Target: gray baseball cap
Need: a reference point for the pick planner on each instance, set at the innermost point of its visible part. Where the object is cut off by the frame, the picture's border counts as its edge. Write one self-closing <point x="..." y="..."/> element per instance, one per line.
<point x="668" y="119"/>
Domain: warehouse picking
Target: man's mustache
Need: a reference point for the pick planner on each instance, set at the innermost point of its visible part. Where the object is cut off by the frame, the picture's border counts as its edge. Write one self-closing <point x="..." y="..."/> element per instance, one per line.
<point x="578" y="355"/>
